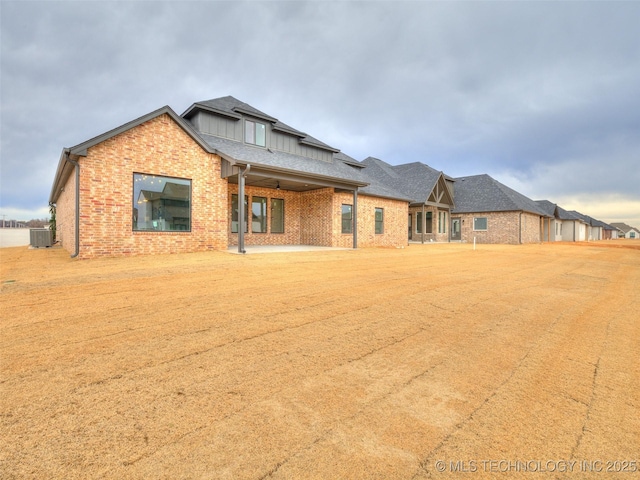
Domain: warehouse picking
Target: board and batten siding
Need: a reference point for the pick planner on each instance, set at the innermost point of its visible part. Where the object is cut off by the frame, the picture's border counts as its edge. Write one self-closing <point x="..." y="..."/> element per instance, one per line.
<point x="223" y="127"/>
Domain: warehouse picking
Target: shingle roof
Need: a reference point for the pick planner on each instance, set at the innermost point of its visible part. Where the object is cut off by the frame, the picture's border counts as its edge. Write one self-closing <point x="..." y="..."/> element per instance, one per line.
<point x="414" y="180"/>
<point x="283" y="161"/>
<point x="553" y="209"/>
<point x="233" y="107"/>
<point x="623" y="227"/>
<point x="482" y="193"/>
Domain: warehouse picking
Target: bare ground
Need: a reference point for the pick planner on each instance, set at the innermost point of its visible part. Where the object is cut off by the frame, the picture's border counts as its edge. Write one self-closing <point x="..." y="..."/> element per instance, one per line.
<point x="424" y="362"/>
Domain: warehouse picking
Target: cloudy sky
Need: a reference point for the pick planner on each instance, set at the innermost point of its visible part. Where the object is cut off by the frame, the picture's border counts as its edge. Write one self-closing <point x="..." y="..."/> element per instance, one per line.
<point x="543" y="96"/>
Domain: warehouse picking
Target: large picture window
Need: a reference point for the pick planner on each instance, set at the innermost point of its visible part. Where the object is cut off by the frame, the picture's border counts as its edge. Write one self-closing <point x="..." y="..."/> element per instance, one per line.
<point x="255" y="133"/>
<point x="347" y="218"/>
<point x="161" y="203"/>
<point x="259" y="215"/>
<point x="379" y="221"/>
<point x="277" y="215"/>
<point x="234" y="213"/>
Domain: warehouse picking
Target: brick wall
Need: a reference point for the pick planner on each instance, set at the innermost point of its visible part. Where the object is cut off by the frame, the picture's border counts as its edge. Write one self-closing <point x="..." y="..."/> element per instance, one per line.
<point x="156" y="147"/>
<point x="292" y="206"/>
<point x="394" y="225"/>
<point x="65" y="215"/>
<point x="502" y="227"/>
<point x="434" y="236"/>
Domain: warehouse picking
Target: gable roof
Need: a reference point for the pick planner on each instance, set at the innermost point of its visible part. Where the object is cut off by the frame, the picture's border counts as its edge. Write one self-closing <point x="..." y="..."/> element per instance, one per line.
<point x="624" y="228"/>
<point x="416" y="181"/>
<point x="554" y="210"/>
<point x="482" y="193"/>
<point x="65" y="167"/>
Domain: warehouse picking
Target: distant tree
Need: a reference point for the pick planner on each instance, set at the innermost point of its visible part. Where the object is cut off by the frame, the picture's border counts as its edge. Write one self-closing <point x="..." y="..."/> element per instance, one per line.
<point x="37" y="223"/>
<point x="52" y="222"/>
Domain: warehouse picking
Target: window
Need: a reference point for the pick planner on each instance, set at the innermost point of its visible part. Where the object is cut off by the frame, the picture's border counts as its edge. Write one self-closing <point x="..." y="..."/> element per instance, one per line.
<point x="442" y="222"/>
<point x="347" y="219"/>
<point x="161" y="203"/>
<point x="255" y="133"/>
<point x="428" y="222"/>
<point x="277" y="215"/>
<point x="418" y="222"/>
<point x="379" y="221"/>
<point x="234" y="213"/>
<point x="480" y="223"/>
<point x="259" y="215"/>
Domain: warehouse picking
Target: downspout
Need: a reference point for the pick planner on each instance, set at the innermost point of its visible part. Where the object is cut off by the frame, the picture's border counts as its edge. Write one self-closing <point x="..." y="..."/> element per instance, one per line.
<point x="424" y="224"/>
<point x="77" y="167"/>
<point x="520" y="228"/>
<point x="355" y="219"/>
<point x="241" y="176"/>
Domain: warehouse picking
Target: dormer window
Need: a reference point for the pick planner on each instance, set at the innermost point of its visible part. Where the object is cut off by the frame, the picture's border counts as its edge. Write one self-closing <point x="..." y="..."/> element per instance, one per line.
<point x="255" y="133"/>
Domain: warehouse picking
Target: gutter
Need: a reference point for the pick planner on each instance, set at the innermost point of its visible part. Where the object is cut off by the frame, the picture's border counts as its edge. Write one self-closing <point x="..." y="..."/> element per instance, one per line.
<point x="77" y="222"/>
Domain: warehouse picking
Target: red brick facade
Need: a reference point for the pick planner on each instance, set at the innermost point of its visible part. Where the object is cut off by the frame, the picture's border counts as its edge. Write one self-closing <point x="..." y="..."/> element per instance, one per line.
<point x="156" y="147"/>
<point x="161" y="147"/>
<point x="315" y="218"/>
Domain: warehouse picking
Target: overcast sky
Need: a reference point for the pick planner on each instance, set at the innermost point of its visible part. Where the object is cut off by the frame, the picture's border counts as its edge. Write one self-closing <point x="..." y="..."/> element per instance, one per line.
<point x="543" y="96"/>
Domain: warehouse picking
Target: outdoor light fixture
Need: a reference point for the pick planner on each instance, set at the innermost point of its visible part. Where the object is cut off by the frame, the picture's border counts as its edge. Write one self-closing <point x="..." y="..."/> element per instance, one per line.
<point x="278" y="185"/>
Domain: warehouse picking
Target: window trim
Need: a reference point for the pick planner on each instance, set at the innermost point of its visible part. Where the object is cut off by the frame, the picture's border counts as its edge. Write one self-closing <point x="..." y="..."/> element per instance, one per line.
<point x="378" y="222"/>
<point x="264" y="222"/>
<point x="272" y="216"/>
<point x="246" y="198"/>
<point x="486" y="222"/>
<point x="254" y="140"/>
<point x="342" y="219"/>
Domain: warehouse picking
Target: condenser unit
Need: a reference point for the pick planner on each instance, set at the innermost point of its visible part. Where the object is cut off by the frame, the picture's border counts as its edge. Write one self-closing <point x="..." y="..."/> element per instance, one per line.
<point x="41" y="237"/>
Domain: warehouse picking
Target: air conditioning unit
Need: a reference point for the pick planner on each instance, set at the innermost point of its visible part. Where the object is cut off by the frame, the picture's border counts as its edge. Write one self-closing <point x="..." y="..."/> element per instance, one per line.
<point x="40" y="237"/>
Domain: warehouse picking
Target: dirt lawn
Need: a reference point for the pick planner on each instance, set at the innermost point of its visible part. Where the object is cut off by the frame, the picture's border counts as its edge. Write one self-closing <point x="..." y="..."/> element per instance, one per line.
<point x="423" y="362"/>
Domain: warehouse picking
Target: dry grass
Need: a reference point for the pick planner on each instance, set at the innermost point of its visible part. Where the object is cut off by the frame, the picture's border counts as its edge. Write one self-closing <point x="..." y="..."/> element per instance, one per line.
<point x="373" y="363"/>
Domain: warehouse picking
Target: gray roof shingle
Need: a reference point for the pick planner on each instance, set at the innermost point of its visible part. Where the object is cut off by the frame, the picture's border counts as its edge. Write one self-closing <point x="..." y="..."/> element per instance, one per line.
<point x="414" y="180"/>
<point x="482" y="193"/>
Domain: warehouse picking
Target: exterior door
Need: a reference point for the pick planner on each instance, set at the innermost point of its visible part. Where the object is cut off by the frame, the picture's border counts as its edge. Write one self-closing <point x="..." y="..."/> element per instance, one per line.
<point x="456" y="233"/>
<point x="410" y="229"/>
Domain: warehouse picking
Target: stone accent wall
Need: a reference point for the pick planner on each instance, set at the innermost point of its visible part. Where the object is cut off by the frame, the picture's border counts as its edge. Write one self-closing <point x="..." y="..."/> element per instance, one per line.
<point x="156" y="147"/>
<point x="502" y="227"/>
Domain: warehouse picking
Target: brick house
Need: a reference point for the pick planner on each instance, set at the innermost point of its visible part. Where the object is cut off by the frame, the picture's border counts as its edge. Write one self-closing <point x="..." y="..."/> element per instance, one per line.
<point x="430" y="193"/>
<point x="490" y="212"/>
<point x="168" y="183"/>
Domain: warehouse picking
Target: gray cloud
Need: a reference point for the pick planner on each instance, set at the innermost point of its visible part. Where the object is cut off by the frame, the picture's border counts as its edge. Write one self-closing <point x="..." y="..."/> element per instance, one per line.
<point x="524" y="91"/>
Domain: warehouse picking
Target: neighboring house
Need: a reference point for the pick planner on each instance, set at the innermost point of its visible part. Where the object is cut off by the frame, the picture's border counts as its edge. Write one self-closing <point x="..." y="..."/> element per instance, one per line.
<point x="610" y="232"/>
<point x="165" y="183"/>
<point x="626" y="231"/>
<point x="490" y="212"/>
<point x="429" y="191"/>
<point x="594" y="228"/>
<point x="567" y="226"/>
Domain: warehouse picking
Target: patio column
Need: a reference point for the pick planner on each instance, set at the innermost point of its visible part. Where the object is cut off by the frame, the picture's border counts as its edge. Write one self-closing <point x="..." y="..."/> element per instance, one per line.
<point x="241" y="219"/>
